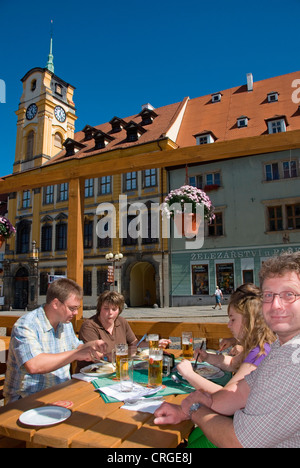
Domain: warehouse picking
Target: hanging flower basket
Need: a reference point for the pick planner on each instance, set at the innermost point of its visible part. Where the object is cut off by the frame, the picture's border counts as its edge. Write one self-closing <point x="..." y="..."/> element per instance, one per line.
<point x="187" y="198"/>
<point x="6" y="229"/>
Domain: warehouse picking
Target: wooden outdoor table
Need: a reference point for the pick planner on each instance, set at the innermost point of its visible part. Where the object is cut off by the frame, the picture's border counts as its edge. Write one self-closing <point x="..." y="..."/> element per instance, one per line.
<point x="93" y="422"/>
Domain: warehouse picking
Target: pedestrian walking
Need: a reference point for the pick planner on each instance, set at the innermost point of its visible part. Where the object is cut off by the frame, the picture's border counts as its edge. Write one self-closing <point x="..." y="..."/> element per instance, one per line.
<point x="218" y="295"/>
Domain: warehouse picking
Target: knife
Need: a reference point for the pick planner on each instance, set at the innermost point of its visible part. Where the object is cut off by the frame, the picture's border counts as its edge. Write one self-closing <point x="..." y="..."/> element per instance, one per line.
<point x="142" y="339"/>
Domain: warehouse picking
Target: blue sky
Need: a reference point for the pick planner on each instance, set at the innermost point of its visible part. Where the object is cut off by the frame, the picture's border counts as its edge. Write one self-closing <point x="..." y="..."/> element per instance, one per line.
<point x="120" y="55"/>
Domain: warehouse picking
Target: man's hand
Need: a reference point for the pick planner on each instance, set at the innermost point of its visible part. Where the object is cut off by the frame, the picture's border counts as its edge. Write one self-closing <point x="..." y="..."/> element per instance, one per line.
<point x="196" y="397"/>
<point x="168" y="413"/>
<point x="92" y="351"/>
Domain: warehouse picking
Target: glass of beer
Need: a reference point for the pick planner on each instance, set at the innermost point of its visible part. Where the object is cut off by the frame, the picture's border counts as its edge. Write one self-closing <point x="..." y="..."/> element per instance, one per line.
<point x="121" y="352"/>
<point x="126" y="374"/>
<point x="187" y="345"/>
<point x="153" y="340"/>
<point x="155" y="367"/>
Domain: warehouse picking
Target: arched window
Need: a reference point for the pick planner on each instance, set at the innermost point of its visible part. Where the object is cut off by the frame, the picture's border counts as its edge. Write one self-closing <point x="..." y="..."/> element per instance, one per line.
<point x="29" y="145"/>
<point x="58" y="140"/>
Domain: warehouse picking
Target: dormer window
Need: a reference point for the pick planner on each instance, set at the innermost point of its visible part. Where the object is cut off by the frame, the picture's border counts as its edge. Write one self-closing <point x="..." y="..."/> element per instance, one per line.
<point x="134" y="131"/>
<point x="216" y="97"/>
<point x="88" y="132"/>
<point x="72" y="147"/>
<point x="148" y="115"/>
<point x="273" y="97"/>
<point x="277" y="124"/>
<point x="117" y="124"/>
<point x="205" y="137"/>
<point x="242" y="122"/>
<point x="101" y="139"/>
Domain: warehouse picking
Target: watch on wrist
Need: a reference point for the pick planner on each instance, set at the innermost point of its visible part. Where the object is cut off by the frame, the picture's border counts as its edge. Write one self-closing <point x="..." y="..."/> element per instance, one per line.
<point x="194" y="407"/>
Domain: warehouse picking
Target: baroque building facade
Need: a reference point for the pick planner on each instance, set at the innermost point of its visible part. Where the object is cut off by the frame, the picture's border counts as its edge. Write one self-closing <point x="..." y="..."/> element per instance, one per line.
<point x="239" y="145"/>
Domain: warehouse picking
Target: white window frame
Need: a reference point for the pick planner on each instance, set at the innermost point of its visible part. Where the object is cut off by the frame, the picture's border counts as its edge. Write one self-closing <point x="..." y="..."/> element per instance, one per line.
<point x="278" y="125"/>
<point x="273" y="97"/>
<point x="216" y="97"/>
<point x="242" y="122"/>
<point x="204" y="139"/>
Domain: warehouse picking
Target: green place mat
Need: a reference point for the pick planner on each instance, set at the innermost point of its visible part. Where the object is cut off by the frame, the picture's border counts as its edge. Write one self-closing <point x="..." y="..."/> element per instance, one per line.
<point x="140" y="376"/>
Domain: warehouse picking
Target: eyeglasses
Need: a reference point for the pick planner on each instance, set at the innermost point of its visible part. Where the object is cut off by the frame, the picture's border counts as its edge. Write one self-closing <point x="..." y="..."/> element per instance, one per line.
<point x="71" y="309"/>
<point x="286" y="297"/>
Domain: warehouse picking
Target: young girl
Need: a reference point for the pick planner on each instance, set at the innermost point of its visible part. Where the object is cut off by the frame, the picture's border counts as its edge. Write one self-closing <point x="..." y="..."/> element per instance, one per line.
<point x="249" y="328"/>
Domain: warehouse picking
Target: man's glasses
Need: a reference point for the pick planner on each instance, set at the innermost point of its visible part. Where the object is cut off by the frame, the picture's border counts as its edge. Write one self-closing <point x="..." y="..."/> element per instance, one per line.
<point x="286" y="297"/>
<point x="71" y="309"/>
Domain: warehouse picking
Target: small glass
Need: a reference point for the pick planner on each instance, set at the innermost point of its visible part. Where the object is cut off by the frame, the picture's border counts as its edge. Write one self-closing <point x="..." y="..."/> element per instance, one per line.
<point x="126" y="375"/>
<point x="120" y="352"/>
<point x="153" y="340"/>
<point x="155" y="367"/>
<point x="187" y="345"/>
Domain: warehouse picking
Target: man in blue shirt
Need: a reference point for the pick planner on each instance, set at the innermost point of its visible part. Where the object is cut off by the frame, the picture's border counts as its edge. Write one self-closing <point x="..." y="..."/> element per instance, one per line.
<point x="43" y="343"/>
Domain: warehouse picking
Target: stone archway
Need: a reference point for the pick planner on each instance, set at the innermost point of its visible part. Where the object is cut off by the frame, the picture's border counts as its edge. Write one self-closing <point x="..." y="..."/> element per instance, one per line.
<point x="21" y="288"/>
<point x="142" y="285"/>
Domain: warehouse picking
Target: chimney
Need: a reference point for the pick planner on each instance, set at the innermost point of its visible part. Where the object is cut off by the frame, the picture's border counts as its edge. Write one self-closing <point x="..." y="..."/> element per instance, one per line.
<point x="249" y="81"/>
<point x="147" y="106"/>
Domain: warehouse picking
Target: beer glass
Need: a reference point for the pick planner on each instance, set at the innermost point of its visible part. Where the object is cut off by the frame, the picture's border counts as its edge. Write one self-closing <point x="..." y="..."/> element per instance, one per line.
<point x="155" y="367"/>
<point x="121" y="352"/>
<point x="126" y="374"/>
<point x="153" y="340"/>
<point x="187" y="345"/>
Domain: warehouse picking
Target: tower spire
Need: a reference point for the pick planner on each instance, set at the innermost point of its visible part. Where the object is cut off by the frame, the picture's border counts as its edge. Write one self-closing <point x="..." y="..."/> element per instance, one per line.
<point x="50" y="64"/>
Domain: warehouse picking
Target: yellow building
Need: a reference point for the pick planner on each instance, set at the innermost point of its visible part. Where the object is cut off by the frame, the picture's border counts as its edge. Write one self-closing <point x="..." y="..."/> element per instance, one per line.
<point x="45" y="137"/>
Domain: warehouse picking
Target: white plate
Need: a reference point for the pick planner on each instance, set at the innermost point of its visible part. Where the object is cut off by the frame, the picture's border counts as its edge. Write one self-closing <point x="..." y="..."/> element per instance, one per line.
<point x="209" y="372"/>
<point x="102" y="368"/>
<point x="45" y="416"/>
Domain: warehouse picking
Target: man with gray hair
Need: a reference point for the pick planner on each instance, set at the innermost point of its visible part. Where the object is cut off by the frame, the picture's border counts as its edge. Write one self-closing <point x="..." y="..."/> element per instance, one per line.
<point x="266" y="404"/>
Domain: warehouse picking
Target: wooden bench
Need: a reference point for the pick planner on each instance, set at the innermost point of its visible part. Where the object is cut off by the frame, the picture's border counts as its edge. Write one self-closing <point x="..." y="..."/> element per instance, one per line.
<point x="8" y="321"/>
<point x="213" y="332"/>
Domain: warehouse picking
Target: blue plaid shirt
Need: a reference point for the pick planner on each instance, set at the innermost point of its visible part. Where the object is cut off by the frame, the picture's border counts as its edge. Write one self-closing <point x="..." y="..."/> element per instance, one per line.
<point x="32" y="335"/>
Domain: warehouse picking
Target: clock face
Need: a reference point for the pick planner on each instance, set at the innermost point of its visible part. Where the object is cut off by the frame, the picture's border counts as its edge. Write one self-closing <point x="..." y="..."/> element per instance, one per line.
<point x="60" y="114"/>
<point x="31" y="111"/>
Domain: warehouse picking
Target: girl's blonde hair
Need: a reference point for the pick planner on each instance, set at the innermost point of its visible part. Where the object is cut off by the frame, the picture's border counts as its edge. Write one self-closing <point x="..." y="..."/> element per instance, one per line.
<point x="247" y="301"/>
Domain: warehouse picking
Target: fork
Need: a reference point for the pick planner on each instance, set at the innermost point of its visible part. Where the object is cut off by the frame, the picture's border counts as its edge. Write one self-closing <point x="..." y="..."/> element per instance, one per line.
<point x="133" y="401"/>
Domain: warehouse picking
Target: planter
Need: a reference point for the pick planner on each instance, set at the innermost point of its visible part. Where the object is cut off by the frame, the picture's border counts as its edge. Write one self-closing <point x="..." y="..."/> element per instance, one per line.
<point x="187" y="224"/>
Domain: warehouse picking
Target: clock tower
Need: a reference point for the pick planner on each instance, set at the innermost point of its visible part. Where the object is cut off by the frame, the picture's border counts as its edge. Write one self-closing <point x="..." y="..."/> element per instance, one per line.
<point x="46" y="117"/>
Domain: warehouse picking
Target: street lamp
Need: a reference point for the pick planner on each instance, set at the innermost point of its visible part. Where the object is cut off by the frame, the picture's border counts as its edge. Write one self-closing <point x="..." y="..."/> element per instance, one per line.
<point x="110" y="257"/>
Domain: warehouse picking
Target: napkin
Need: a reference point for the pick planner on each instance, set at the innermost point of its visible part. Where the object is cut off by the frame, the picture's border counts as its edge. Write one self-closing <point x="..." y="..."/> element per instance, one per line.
<point x="86" y="378"/>
<point x="138" y="391"/>
<point x="144" y="406"/>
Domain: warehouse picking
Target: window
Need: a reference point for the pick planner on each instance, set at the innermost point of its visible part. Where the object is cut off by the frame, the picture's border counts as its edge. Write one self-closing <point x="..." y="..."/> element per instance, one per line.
<point x="26" y="199"/>
<point x="293" y="216"/>
<point x="200" y="279"/>
<point x="29" y="145"/>
<point x="216" y="226"/>
<point x="105" y="185"/>
<point x="276" y="126"/>
<point x="150" y="178"/>
<point x="204" y="139"/>
<point x="89" y="188"/>
<point x="289" y="169"/>
<point x="87" y="283"/>
<point x="46" y="243"/>
<point x="23" y="237"/>
<point x="213" y="179"/>
<point x="58" y="89"/>
<point x="61" y="236"/>
<point x="275" y="218"/>
<point x="242" y="122"/>
<point x="88" y="234"/>
<point x="150" y="221"/>
<point x="272" y="171"/>
<point x="225" y="277"/>
<point x="58" y="140"/>
<point x="63" y="192"/>
<point x="49" y="195"/>
<point x="33" y="85"/>
<point x="216" y="97"/>
<point x="273" y="97"/>
<point x="131" y="181"/>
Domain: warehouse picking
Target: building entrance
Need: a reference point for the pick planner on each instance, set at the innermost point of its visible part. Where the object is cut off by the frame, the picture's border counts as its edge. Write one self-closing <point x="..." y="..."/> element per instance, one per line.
<point x="142" y="285"/>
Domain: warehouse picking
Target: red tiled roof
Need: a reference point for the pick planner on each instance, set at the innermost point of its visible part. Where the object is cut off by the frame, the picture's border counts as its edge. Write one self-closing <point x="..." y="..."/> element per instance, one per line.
<point x="220" y="118"/>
